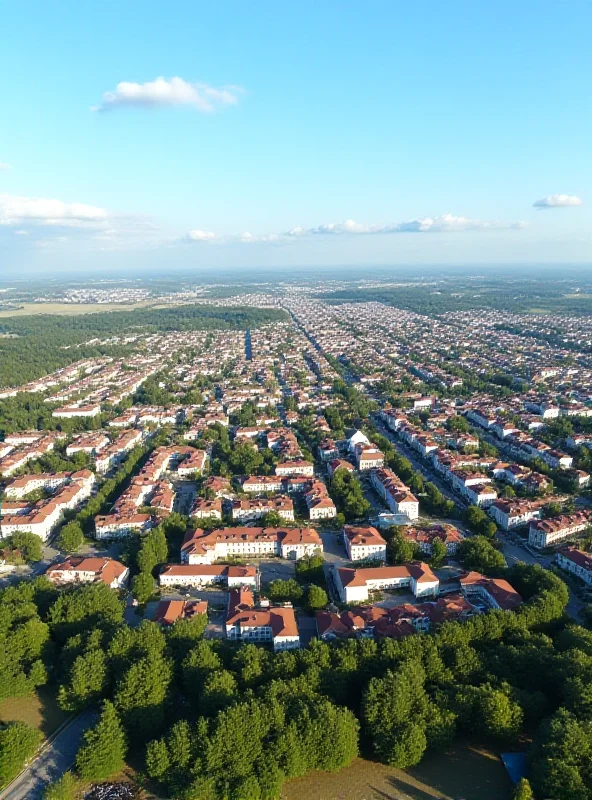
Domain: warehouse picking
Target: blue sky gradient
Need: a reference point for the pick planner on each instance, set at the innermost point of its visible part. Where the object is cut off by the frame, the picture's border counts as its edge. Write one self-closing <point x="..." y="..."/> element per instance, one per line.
<point x="386" y="113"/>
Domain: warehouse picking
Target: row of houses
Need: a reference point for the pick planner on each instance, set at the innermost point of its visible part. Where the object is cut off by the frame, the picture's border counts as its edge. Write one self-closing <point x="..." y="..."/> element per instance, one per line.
<point x="70" y="490"/>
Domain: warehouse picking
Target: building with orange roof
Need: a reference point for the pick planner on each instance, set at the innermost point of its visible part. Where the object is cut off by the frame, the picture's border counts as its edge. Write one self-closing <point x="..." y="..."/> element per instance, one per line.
<point x="355" y="585"/>
<point x="198" y="575"/>
<point x="494" y="592"/>
<point x="201" y="547"/>
<point x="363" y="542"/>
<point x="245" y="623"/>
<point x="81" y="569"/>
<point x="170" y="611"/>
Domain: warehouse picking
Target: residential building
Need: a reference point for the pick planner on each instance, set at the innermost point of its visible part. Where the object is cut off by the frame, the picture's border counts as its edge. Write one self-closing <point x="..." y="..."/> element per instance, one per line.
<point x="493" y="592"/>
<point x="200" y="547"/>
<point x="170" y="611"/>
<point x="546" y="532"/>
<point x="577" y="562"/>
<point x="363" y="543"/>
<point x="199" y="575"/>
<point x="94" y="569"/>
<point x="246" y="623"/>
<point x="355" y="585"/>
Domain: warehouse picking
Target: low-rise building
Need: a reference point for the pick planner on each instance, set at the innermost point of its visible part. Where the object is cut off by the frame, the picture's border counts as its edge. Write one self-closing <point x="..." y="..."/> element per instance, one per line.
<point x="493" y="592"/>
<point x="199" y="575"/>
<point x="362" y="543"/>
<point x="246" y="623"/>
<point x="546" y="532"/>
<point x="82" y="569"/>
<point x="200" y="547"/>
<point x="170" y="611"/>
<point x="296" y="467"/>
<point x="450" y="536"/>
<point x="577" y="562"/>
<point x="355" y="585"/>
<point x="245" y="510"/>
<point x="207" y="509"/>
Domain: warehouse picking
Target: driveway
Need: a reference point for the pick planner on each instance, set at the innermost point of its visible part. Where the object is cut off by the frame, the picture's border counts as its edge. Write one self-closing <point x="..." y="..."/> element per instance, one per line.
<point x="307" y="627"/>
<point x="185" y="492"/>
<point x="53" y="760"/>
<point x="274" y="570"/>
<point x="334" y="550"/>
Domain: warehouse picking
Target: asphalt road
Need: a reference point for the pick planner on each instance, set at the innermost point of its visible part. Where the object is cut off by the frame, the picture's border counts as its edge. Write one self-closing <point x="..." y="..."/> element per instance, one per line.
<point x="419" y="465"/>
<point x="51" y="763"/>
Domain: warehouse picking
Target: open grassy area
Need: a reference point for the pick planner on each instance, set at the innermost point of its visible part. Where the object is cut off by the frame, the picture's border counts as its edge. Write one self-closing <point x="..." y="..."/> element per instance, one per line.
<point x="39" y="710"/>
<point x="72" y="309"/>
<point x="463" y="771"/>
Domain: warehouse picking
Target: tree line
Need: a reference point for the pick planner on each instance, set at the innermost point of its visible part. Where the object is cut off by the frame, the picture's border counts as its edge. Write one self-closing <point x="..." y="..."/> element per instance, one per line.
<point x="212" y="719"/>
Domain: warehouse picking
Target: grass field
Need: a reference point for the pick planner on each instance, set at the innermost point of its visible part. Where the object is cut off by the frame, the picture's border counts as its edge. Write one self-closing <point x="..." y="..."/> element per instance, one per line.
<point x="39" y="710"/>
<point x="72" y="309"/>
<point x="463" y="772"/>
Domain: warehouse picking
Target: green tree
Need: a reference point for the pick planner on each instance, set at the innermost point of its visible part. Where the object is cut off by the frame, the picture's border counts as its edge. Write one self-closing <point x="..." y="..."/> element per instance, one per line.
<point x="477" y="553"/>
<point x="18" y="742"/>
<point x="185" y="633"/>
<point x="280" y="591"/>
<point x="523" y="790"/>
<point x="81" y="608"/>
<point x="219" y="691"/>
<point x="87" y="681"/>
<point x="158" y="760"/>
<point x="316" y="597"/>
<point x="400" y="550"/>
<point x="143" y="587"/>
<point x="104" y="747"/>
<point x="71" y="537"/>
<point x="141" y="692"/>
<point x="66" y="788"/>
<point x="28" y="544"/>
<point x="438" y="553"/>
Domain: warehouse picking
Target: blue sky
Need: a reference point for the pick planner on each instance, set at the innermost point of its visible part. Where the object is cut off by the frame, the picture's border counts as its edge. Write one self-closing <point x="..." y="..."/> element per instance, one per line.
<point x="298" y="133"/>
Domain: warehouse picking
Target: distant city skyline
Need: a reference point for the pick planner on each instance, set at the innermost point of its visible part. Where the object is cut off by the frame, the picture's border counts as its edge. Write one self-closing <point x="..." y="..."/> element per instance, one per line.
<point x="204" y="137"/>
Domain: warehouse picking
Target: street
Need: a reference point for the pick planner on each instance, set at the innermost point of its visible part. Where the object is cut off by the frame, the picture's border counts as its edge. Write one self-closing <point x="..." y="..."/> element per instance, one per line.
<point x="51" y="762"/>
<point x="419" y="465"/>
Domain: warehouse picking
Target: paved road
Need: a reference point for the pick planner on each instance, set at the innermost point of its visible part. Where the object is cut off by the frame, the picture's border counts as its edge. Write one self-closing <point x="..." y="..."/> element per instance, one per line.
<point x="53" y="760"/>
<point x="419" y="465"/>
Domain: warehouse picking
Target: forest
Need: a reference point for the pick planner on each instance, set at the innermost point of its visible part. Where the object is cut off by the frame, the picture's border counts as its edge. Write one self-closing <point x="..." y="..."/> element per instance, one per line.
<point x="35" y="345"/>
<point x="443" y="296"/>
<point x="207" y="719"/>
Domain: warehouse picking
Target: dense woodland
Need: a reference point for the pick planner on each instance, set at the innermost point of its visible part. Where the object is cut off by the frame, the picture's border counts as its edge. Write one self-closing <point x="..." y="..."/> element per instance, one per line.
<point x="210" y="720"/>
<point x="442" y="296"/>
<point x="35" y="345"/>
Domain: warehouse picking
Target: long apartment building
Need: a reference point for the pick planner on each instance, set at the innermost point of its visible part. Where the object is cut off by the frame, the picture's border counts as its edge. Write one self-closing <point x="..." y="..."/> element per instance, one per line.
<point x="546" y="532"/>
<point x="200" y="575"/>
<point x="355" y="585"/>
<point x="200" y="547"/>
<point x="395" y="493"/>
<point x="247" y="510"/>
<point x="41" y="517"/>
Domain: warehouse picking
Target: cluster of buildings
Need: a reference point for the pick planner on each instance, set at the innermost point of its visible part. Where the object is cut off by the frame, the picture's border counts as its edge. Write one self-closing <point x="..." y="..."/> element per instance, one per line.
<point x="65" y="491"/>
<point x="490" y="449"/>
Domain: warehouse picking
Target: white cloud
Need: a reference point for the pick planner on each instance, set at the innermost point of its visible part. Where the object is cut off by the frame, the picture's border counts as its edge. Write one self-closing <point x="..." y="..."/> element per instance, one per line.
<point x="200" y="236"/>
<point x="559" y="201"/>
<point x="174" y="92"/>
<point x="445" y="223"/>
<point x="4" y="165"/>
<point x="15" y="210"/>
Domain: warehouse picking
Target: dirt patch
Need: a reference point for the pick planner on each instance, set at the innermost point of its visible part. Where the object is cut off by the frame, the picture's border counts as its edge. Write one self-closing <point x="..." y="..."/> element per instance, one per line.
<point x="39" y="710"/>
<point x="463" y="772"/>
